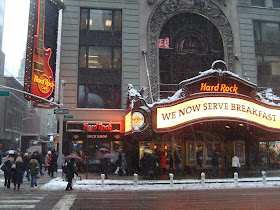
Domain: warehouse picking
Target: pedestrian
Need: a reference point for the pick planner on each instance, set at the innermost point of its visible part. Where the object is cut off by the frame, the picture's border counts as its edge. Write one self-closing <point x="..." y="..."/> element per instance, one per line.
<point x="163" y="162"/>
<point x="215" y="163"/>
<point x="7" y="168"/>
<point x="170" y="161"/>
<point x="70" y="171"/>
<point x="47" y="161"/>
<point x="118" y="163"/>
<point x="235" y="164"/>
<point x="53" y="164"/>
<point x="26" y="160"/>
<point x="124" y="164"/>
<point x="34" y="168"/>
<point x="106" y="164"/>
<point x="18" y="172"/>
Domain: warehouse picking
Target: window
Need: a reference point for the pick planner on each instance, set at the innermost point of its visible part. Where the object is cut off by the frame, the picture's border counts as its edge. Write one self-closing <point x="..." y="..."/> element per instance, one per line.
<point x="100" y="57"/>
<point x="276" y="3"/>
<point x="259" y="3"/>
<point x="100" y="20"/>
<point x="100" y="65"/>
<point x="99" y="96"/>
<point x="268" y="65"/>
<point x="266" y="32"/>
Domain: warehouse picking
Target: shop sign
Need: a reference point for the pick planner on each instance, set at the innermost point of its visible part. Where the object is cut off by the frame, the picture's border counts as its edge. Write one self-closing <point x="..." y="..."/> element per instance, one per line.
<point x="137" y="120"/>
<point x="204" y="87"/>
<point x="97" y="127"/>
<point x="209" y="108"/>
<point x="128" y="122"/>
<point x="97" y="136"/>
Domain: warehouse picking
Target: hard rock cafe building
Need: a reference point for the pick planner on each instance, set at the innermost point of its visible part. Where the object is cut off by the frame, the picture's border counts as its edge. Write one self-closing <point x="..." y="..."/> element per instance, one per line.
<point x="164" y="45"/>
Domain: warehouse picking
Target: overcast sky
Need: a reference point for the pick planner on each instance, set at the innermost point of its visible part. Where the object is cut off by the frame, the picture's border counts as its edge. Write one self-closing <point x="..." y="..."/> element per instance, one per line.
<point x="15" y="34"/>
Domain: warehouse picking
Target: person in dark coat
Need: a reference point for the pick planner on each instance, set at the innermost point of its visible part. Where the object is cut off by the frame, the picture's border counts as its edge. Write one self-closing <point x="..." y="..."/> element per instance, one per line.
<point x="18" y="171"/>
<point x="26" y="160"/>
<point x="8" y="172"/>
<point x="70" y="171"/>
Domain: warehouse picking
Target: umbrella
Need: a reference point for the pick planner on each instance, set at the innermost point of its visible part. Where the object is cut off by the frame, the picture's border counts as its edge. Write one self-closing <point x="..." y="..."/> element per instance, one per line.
<point x="108" y="155"/>
<point x="10" y="152"/>
<point x="77" y="158"/>
<point x="104" y="149"/>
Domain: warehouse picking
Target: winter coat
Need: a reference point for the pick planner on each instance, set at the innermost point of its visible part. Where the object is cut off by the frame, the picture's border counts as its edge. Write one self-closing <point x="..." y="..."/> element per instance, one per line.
<point x="163" y="161"/>
<point x="70" y="170"/>
<point x="235" y="162"/>
<point x="17" y="172"/>
<point x="33" y="166"/>
<point x="26" y="161"/>
<point x="124" y="162"/>
<point x="8" y="169"/>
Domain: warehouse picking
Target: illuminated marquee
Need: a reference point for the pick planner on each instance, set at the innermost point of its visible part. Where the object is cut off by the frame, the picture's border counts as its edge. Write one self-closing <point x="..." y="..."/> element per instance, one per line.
<point x="208" y="108"/>
<point x="128" y="122"/>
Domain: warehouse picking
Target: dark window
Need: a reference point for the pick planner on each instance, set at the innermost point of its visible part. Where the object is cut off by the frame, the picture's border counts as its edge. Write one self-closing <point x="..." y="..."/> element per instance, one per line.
<point x="259" y="3"/>
<point x="266" y="32"/>
<point x="276" y="3"/>
<point x="99" y="96"/>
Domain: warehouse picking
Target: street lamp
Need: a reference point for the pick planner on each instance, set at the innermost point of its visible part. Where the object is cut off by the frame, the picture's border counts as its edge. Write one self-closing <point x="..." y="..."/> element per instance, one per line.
<point x="59" y="161"/>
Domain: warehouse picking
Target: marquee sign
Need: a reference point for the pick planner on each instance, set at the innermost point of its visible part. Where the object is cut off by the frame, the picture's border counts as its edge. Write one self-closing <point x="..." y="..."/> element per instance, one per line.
<point x="212" y="108"/>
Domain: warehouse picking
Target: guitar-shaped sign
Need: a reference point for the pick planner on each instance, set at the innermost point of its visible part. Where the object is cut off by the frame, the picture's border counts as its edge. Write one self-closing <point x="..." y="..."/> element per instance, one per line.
<point x="42" y="83"/>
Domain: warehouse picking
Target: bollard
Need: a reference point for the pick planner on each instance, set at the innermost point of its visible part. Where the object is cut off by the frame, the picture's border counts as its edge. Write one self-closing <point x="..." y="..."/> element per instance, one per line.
<point x="264" y="177"/>
<point x="135" y="180"/>
<point x="235" y="178"/>
<point x="202" y="179"/>
<point x="102" y="179"/>
<point x="171" y="179"/>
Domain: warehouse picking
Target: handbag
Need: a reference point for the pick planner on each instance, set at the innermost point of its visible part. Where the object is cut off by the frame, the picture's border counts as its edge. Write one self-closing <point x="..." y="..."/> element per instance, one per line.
<point x="3" y="167"/>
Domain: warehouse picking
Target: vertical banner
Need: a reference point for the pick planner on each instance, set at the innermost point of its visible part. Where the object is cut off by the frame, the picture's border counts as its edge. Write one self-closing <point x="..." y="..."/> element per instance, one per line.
<point x="40" y="63"/>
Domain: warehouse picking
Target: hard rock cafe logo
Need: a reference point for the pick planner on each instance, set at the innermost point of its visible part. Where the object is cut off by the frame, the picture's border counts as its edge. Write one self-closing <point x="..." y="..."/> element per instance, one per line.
<point x="44" y="83"/>
<point x="97" y="127"/>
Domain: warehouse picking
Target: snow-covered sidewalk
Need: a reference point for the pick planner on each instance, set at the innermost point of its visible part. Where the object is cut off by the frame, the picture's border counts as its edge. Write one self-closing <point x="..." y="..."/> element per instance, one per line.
<point x="186" y="184"/>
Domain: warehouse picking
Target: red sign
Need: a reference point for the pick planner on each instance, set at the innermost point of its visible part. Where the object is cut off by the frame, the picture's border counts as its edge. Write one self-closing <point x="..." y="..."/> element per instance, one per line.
<point x="97" y="127"/>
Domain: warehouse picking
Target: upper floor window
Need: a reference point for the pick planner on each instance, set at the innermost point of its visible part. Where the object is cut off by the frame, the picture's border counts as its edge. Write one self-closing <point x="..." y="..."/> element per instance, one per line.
<point x="100" y="20"/>
<point x="267" y="32"/>
<point x="100" y="57"/>
<point x="276" y="3"/>
<point x="259" y="3"/>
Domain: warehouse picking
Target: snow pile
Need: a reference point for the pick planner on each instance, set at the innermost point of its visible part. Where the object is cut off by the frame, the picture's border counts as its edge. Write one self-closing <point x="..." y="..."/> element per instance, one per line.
<point x="127" y="185"/>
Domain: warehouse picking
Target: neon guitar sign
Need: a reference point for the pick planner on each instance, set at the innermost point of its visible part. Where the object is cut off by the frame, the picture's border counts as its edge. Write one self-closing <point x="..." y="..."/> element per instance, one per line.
<point x="42" y="83"/>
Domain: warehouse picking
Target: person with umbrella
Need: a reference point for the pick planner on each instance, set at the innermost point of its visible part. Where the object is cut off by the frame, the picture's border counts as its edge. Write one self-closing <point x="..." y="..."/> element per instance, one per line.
<point x="70" y="171"/>
<point x="106" y="159"/>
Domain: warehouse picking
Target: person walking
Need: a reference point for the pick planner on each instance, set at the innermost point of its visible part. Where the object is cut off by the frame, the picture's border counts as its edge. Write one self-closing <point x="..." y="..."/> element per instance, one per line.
<point x="118" y="163"/>
<point x="18" y="172"/>
<point x="34" y="168"/>
<point x="124" y="164"/>
<point x="215" y="163"/>
<point x="70" y="171"/>
<point x="26" y="160"/>
<point x="235" y="164"/>
<point x="8" y="174"/>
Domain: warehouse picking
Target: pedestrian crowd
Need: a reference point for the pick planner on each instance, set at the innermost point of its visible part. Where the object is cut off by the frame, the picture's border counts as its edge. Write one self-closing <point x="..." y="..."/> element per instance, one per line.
<point x="29" y="165"/>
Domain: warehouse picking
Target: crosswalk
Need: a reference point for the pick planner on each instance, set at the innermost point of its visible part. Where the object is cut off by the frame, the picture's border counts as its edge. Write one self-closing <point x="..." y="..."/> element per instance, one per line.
<point x="20" y="201"/>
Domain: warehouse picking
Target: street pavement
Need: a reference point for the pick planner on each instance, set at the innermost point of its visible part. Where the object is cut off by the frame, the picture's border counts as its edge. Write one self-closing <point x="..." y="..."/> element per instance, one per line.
<point x="37" y="198"/>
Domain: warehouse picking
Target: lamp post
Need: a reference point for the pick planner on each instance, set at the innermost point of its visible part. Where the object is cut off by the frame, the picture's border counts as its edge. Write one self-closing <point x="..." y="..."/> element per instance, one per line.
<point x="59" y="161"/>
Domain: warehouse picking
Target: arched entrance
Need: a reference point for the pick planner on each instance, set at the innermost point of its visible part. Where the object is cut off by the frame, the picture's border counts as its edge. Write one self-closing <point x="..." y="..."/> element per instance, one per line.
<point x="165" y="11"/>
<point x="188" y="43"/>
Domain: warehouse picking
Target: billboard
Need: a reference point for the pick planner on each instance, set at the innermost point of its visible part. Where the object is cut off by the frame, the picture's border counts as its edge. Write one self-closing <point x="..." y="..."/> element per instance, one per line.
<point x="40" y="63"/>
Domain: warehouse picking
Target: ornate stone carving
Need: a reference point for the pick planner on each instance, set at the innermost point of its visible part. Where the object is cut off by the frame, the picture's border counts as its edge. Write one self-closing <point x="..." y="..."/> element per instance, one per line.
<point x="169" y="8"/>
